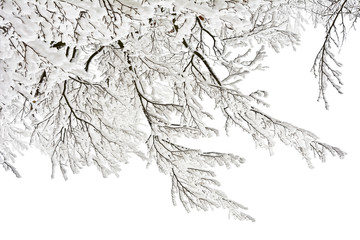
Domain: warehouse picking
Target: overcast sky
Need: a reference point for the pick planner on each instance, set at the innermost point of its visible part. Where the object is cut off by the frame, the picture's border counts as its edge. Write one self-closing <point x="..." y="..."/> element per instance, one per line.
<point x="287" y="199"/>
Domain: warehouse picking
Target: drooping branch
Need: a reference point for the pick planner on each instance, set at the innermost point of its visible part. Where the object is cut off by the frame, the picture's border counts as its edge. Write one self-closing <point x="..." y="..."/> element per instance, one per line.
<point x="322" y="67"/>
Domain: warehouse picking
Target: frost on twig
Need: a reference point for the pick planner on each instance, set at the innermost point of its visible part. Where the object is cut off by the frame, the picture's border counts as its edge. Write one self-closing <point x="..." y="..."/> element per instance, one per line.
<point x="93" y="82"/>
<point x="8" y="166"/>
<point x="334" y="15"/>
<point x="192" y="183"/>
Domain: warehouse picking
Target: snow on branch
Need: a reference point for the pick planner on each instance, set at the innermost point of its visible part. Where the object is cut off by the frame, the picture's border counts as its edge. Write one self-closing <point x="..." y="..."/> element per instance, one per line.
<point x="96" y="82"/>
<point x="333" y="14"/>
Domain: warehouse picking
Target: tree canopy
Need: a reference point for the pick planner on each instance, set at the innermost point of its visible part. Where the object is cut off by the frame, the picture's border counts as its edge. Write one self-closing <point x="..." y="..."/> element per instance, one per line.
<point x="88" y="82"/>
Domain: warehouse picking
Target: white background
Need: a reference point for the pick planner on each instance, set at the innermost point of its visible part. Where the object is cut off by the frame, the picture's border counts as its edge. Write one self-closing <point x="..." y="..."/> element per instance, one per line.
<point x="288" y="200"/>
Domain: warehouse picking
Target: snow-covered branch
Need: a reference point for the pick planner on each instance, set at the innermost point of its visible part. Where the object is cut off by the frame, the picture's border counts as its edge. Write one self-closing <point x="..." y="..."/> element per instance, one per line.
<point x="89" y="82"/>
